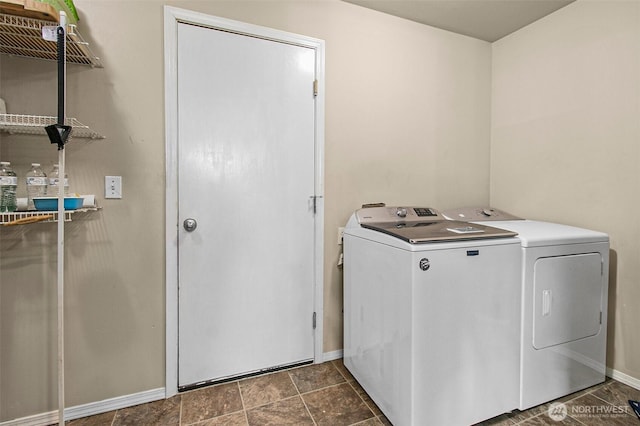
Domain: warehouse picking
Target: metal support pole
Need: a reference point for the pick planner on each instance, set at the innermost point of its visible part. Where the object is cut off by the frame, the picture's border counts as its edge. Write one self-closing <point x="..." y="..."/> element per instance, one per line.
<point x="62" y="75"/>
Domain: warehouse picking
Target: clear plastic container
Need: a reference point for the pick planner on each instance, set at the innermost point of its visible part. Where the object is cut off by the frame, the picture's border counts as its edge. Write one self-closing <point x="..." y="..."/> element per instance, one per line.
<point x="54" y="180"/>
<point x="36" y="184"/>
<point x="8" y="186"/>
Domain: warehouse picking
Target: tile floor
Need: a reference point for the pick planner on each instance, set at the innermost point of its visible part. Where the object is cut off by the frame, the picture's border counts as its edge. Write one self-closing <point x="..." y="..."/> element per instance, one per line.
<point x="326" y="394"/>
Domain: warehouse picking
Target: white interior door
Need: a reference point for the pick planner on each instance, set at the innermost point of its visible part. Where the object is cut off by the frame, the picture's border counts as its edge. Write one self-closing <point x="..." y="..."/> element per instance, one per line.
<point x="246" y="177"/>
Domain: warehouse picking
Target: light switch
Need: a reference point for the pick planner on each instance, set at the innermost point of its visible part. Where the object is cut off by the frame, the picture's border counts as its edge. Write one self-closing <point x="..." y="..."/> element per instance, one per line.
<point x="113" y="187"/>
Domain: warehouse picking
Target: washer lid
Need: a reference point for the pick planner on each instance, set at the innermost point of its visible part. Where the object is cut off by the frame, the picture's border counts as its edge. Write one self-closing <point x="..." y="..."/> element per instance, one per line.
<point x="534" y="233"/>
<point x="449" y="230"/>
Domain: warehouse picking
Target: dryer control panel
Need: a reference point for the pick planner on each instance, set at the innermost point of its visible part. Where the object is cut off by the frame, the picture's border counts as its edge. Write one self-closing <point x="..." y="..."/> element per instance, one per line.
<point x="478" y="214"/>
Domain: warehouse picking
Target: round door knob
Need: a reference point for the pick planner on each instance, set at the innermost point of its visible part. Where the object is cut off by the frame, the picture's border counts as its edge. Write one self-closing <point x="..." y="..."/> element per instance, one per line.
<point x="190" y="225"/>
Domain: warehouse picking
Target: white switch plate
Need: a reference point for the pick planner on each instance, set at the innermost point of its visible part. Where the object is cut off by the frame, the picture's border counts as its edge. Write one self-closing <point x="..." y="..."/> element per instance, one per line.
<point x="113" y="187"/>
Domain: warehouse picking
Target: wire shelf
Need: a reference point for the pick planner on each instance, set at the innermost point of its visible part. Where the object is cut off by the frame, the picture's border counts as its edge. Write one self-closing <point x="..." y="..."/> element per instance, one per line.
<point x="48" y="216"/>
<point x="35" y="124"/>
<point x="22" y="36"/>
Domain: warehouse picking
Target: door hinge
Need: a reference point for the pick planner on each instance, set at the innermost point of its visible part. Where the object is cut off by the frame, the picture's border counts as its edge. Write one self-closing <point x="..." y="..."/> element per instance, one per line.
<point x="600" y="317"/>
<point x="314" y="203"/>
<point x="315" y="88"/>
<point x="313" y="321"/>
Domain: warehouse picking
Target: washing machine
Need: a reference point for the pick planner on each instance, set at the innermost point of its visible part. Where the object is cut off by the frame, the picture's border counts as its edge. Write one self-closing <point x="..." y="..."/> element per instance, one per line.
<point x="431" y="315"/>
<point x="565" y="274"/>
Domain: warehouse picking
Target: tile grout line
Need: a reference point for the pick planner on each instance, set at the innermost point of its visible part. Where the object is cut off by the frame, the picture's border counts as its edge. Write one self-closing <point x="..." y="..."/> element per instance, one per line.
<point x="363" y="421"/>
<point x="614" y="405"/>
<point x="244" y="407"/>
<point x="375" y="416"/>
<point x="540" y="414"/>
<point x="115" y="415"/>
<point x="346" y="379"/>
<point x="323" y="388"/>
<point x="302" y="399"/>
<point x="584" y="392"/>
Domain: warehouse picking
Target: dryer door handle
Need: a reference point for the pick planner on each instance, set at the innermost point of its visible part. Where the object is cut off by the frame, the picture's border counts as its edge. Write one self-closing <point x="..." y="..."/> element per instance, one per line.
<point x="546" y="303"/>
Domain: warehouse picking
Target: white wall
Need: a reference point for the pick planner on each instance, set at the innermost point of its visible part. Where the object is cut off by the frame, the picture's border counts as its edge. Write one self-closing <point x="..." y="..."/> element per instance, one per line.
<point x="565" y="143"/>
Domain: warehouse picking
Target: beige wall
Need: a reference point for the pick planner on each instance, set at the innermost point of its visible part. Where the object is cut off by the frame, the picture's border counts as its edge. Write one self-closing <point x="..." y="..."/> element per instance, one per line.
<point x="407" y="122"/>
<point x="566" y="140"/>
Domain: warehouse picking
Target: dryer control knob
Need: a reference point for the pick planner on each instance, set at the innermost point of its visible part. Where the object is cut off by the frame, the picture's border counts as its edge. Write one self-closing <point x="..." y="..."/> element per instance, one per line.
<point x="401" y="212"/>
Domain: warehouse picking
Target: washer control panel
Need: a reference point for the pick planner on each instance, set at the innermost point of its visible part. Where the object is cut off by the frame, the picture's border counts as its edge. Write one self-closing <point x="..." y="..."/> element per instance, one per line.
<point x="398" y="214"/>
<point x="424" y="211"/>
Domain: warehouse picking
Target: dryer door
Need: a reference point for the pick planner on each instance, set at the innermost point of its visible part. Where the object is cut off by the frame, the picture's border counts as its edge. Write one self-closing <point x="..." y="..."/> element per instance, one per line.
<point x="567" y="301"/>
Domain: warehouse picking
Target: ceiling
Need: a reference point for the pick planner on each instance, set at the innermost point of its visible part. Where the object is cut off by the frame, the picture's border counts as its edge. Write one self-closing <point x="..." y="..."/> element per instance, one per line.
<point x="488" y="20"/>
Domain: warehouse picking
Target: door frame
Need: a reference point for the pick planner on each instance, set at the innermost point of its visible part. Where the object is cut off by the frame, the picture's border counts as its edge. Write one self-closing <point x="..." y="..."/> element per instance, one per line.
<point x="172" y="17"/>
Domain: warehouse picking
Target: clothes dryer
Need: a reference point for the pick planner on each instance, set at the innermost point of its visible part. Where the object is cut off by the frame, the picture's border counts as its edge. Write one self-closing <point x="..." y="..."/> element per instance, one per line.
<point x="431" y="314"/>
<point x="565" y="274"/>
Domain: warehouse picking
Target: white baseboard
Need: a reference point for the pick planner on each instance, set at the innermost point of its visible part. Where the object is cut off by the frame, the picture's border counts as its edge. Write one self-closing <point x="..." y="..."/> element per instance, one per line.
<point x="330" y="356"/>
<point x="89" y="409"/>
<point x="623" y="378"/>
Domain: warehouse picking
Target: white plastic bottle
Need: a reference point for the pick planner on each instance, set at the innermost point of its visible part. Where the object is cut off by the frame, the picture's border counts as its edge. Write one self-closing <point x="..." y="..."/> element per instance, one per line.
<point x="36" y="184"/>
<point x="8" y="185"/>
<point x="54" y="180"/>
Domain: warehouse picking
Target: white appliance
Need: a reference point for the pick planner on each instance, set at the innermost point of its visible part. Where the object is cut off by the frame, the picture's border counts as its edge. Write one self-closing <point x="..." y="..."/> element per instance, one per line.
<point x="565" y="274"/>
<point x="431" y="315"/>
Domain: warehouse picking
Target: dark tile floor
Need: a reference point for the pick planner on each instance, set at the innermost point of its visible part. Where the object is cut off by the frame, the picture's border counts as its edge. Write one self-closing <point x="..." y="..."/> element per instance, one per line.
<point x="326" y="394"/>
